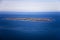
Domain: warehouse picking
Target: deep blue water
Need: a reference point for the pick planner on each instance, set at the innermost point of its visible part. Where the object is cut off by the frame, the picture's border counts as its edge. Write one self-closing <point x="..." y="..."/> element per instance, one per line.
<point x="28" y="30"/>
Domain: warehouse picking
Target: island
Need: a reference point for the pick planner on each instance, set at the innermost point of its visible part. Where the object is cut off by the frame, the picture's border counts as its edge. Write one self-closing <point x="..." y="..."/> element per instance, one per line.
<point x="30" y="19"/>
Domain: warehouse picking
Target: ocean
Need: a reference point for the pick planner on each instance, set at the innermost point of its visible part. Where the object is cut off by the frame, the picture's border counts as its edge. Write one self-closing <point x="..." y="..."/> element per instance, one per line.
<point x="29" y="30"/>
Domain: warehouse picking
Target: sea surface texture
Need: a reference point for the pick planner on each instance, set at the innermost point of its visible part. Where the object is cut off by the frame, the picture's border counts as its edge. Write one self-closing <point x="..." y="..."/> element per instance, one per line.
<point x="29" y="30"/>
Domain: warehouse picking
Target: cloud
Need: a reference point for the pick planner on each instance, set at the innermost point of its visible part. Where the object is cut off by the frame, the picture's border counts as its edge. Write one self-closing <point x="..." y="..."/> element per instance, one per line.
<point x="29" y="6"/>
<point x="35" y="0"/>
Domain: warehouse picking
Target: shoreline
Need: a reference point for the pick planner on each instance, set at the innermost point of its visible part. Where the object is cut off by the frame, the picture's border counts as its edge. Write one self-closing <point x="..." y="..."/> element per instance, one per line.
<point x="30" y="19"/>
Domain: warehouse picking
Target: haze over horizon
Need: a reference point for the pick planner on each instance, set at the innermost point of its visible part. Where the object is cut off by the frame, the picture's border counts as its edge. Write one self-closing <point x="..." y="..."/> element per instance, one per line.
<point x="30" y="5"/>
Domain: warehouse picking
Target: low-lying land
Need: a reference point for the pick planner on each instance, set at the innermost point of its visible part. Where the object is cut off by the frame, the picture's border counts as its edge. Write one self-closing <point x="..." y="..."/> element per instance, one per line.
<point x="30" y="19"/>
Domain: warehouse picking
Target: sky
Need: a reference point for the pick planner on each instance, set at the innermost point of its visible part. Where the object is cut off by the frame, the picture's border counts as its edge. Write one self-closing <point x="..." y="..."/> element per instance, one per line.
<point x="30" y="5"/>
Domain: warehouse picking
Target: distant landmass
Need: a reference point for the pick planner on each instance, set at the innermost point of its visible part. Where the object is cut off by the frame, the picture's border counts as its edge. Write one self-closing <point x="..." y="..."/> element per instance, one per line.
<point x="29" y="19"/>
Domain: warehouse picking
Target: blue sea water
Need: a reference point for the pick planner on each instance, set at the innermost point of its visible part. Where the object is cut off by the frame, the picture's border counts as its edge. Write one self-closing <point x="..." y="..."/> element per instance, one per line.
<point x="29" y="30"/>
